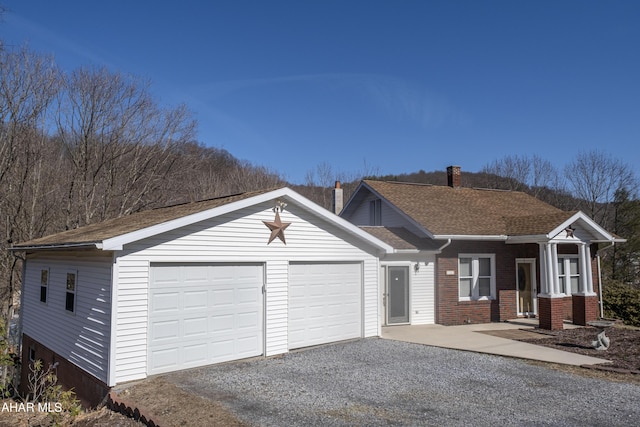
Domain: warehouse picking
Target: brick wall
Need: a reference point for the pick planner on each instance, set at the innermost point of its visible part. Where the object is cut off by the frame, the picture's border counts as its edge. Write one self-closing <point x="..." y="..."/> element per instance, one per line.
<point x="451" y="311"/>
<point x="89" y="390"/>
<point x="585" y="309"/>
<point x="551" y="313"/>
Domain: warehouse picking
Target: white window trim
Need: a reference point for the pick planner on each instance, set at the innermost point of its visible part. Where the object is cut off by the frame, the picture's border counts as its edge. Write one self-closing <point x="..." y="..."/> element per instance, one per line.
<point x="45" y="285"/>
<point x="75" y="292"/>
<point x="475" y="288"/>
<point x="567" y="272"/>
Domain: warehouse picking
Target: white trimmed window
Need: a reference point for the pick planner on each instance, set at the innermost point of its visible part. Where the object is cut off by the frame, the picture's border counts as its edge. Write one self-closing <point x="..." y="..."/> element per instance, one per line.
<point x="476" y="276"/>
<point x="70" y="296"/>
<point x="44" y="284"/>
<point x="569" y="274"/>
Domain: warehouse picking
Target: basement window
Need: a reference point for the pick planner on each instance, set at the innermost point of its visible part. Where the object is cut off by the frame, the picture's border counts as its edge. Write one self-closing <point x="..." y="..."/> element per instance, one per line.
<point x="44" y="284"/>
<point x="70" y="298"/>
<point x="476" y="276"/>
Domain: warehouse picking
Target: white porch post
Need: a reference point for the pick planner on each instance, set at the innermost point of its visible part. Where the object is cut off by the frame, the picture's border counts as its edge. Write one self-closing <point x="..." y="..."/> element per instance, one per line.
<point x="586" y="276"/>
<point x="553" y="262"/>
<point x="549" y="283"/>
<point x="544" y="277"/>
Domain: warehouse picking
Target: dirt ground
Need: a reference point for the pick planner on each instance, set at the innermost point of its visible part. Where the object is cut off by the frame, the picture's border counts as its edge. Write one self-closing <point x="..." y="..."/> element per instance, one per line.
<point x="167" y="402"/>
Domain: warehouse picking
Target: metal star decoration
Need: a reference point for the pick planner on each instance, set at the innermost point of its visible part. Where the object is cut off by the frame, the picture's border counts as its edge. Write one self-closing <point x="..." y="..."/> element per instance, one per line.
<point x="277" y="228"/>
<point x="569" y="230"/>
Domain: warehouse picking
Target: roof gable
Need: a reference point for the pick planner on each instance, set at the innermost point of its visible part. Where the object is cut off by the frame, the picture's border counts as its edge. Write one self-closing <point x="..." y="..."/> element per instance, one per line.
<point x="113" y="234"/>
<point x="446" y="212"/>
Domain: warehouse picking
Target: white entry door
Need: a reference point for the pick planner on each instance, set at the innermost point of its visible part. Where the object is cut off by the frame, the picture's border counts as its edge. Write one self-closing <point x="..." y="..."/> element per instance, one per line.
<point x="201" y="314"/>
<point x="325" y="303"/>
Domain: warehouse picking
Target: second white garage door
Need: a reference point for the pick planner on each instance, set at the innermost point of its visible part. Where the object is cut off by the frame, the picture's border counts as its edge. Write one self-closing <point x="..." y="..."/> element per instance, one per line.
<point x="204" y="313"/>
<point x="325" y="303"/>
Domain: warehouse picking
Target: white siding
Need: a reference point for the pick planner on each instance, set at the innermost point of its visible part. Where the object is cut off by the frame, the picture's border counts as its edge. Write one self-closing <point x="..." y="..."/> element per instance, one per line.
<point x="389" y="216"/>
<point x="239" y="236"/>
<point x="82" y="337"/>
<point x="423" y="294"/>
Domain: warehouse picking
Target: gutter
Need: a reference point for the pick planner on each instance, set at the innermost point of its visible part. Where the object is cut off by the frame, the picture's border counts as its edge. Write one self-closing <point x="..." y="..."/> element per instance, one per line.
<point x="96" y="245"/>
<point x="470" y="237"/>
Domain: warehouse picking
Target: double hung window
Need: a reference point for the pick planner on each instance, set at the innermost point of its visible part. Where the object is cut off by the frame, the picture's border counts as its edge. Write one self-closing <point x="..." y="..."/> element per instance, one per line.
<point x="70" y="295"/>
<point x="44" y="284"/>
<point x="569" y="274"/>
<point x="476" y="276"/>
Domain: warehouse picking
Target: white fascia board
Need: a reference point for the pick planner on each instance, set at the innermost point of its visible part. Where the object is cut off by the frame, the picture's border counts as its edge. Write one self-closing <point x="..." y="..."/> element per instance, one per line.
<point x="532" y="238"/>
<point x="117" y="243"/>
<point x="499" y="237"/>
<point x="606" y="236"/>
<point x="92" y="245"/>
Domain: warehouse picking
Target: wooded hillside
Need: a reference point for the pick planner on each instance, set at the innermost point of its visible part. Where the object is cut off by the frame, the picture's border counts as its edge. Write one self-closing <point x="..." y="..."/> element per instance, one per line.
<point x="81" y="147"/>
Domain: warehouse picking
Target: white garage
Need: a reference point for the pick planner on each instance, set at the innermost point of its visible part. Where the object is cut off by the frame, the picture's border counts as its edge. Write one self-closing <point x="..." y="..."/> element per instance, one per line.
<point x="199" y="283"/>
<point x="325" y="303"/>
<point x="204" y="313"/>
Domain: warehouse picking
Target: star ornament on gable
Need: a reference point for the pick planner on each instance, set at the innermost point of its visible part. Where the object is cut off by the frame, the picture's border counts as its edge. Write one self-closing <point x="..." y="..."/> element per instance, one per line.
<point x="569" y="230"/>
<point x="277" y="228"/>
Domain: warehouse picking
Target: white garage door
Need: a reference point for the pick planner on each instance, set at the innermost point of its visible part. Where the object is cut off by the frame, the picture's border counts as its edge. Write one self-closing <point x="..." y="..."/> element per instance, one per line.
<point x="325" y="303"/>
<point x="201" y="314"/>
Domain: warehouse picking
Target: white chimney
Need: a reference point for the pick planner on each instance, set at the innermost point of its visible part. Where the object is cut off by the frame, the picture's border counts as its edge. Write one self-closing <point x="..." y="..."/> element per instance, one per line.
<point x="338" y="201"/>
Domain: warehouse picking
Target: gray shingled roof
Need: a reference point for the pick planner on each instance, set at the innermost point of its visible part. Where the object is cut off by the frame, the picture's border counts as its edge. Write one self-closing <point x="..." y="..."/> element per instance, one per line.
<point x="95" y="233"/>
<point x="445" y="210"/>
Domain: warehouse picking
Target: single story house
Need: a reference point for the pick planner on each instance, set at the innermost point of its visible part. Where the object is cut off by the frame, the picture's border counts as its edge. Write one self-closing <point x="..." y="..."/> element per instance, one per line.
<point x="466" y="255"/>
<point x="266" y="272"/>
<point x="194" y="284"/>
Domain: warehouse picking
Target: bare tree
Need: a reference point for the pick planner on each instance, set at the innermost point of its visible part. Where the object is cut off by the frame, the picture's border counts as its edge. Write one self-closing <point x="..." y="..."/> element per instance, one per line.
<point x="594" y="177"/>
<point x="119" y="144"/>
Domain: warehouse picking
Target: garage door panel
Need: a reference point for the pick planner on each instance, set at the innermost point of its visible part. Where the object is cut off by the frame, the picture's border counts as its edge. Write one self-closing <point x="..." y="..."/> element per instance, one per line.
<point x="204" y="314"/>
<point x="164" y="302"/>
<point x="324" y="303"/>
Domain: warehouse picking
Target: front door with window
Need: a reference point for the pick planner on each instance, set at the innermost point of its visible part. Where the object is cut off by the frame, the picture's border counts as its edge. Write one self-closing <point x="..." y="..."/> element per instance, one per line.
<point x="525" y="288"/>
<point x="397" y="295"/>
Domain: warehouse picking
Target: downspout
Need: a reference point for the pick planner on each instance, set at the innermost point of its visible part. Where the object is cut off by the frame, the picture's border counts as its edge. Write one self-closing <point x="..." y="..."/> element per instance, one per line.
<point x="435" y="290"/>
<point x="444" y="246"/>
<point x="600" y="279"/>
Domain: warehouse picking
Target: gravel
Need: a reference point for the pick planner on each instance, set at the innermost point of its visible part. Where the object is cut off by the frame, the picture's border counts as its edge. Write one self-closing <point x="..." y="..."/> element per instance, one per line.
<point x="382" y="382"/>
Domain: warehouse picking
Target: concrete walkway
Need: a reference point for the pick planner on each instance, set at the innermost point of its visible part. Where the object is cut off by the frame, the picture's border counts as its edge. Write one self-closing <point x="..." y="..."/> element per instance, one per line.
<point x="472" y="338"/>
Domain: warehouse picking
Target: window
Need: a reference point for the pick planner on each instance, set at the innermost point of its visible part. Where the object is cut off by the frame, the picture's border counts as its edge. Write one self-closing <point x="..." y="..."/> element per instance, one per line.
<point x="375" y="212"/>
<point x="476" y="277"/>
<point x="32" y="353"/>
<point x="44" y="284"/>
<point x="569" y="274"/>
<point x="70" y="299"/>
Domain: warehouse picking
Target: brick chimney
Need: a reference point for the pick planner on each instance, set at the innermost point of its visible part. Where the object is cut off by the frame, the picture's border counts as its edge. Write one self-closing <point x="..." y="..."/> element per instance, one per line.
<point x="338" y="202"/>
<point x="454" y="178"/>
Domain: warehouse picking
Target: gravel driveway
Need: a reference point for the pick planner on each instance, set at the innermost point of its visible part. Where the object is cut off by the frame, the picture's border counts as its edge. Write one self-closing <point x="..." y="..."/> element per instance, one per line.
<point x="382" y="382"/>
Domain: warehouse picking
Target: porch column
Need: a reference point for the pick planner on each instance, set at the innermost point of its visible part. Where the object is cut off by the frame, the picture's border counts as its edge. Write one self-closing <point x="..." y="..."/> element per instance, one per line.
<point x="585" y="302"/>
<point x="586" y="276"/>
<point x="550" y="303"/>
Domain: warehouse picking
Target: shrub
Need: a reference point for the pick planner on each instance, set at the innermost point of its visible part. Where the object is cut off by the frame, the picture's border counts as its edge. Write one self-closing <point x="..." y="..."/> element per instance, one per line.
<point x="8" y="362"/>
<point x="622" y="302"/>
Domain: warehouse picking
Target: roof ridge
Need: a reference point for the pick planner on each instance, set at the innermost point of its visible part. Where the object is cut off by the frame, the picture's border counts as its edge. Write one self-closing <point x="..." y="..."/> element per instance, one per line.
<point x="228" y="196"/>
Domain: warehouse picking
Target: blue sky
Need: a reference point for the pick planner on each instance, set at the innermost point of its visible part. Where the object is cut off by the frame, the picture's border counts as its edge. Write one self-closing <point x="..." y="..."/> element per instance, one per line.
<point x="389" y="86"/>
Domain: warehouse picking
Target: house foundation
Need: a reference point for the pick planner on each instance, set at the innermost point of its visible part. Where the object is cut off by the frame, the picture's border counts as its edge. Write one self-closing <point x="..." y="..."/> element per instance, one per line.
<point x="89" y="390"/>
